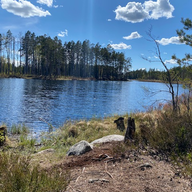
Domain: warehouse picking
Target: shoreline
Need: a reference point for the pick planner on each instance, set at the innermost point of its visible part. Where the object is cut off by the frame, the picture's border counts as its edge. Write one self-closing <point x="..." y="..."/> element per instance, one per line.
<point x="71" y="78"/>
<point x="59" y="78"/>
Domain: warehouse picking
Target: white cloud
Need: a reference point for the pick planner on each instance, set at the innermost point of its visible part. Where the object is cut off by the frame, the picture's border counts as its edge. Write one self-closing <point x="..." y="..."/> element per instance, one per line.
<point x="160" y="8"/>
<point x="120" y="46"/>
<point x="167" y="41"/>
<point x="171" y="61"/>
<point x="135" y="12"/>
<point x="109" y="20"/>
<point x="134" y="35"/>
<point x="49" y="3"/>
<point x="23" y="8"/>
<point x="63" y="33"/>
<point x="55" y="6"/>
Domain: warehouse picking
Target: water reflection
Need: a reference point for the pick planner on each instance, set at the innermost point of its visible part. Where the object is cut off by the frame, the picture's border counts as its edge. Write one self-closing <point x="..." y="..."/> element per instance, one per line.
<point x="57" y="101"/>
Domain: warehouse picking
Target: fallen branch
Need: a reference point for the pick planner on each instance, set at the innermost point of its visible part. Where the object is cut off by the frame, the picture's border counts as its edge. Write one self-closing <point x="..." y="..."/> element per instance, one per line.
<point x="109" y="174"/>
<point x="107" y="171"/>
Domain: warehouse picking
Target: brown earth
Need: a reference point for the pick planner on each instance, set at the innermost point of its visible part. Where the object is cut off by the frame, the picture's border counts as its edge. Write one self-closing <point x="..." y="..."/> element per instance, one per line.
<point x="110" y="168"/>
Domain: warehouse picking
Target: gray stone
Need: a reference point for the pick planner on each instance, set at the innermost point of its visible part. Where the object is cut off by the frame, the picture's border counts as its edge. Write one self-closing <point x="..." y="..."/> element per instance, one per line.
<point x="79" y="148"/>
<point x="108" y="139"/>
<point x="144" y="166"/>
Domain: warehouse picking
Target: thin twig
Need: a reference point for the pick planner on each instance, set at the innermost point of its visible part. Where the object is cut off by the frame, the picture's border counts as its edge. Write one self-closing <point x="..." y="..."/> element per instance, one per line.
<point x="80" y="175"/>
<point x="69" y="186"/>
<point x="109" y="174"/>
<point x="107" y="171"/>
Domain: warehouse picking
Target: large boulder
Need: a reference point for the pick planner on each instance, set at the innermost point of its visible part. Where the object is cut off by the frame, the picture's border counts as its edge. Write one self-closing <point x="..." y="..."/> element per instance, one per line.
<point x="79" y="148"/>
<point x="108" y="138"/>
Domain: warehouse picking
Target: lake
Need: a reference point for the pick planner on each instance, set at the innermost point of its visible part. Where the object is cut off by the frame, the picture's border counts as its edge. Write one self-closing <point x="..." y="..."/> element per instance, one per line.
<point x="55" y="102"/>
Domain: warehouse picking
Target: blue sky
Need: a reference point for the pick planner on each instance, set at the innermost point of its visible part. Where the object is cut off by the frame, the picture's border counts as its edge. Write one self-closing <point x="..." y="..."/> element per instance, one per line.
<point x="121" y="23"/>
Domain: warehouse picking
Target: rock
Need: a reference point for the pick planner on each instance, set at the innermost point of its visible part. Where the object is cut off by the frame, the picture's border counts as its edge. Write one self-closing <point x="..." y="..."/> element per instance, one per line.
<point x="108" y="138"/>
<point x="101" y="180"/>
<point x="79" y="148"/>
<point x="144" y="166"/>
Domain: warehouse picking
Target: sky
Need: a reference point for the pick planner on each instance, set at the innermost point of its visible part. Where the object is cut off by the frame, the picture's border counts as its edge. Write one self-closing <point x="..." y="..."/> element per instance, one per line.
<point x="121" y="23"/>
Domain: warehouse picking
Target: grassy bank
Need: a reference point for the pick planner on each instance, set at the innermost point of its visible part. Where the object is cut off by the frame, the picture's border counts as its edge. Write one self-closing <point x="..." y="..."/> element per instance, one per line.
<point x="170" y="135"/>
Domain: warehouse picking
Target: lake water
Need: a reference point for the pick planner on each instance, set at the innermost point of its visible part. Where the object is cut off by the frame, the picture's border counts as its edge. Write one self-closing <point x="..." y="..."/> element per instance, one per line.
<point x="30" y="101"/>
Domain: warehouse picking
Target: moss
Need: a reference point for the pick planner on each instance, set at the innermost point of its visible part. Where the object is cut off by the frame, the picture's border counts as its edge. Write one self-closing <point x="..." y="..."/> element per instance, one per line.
<point x="2" y="135"/>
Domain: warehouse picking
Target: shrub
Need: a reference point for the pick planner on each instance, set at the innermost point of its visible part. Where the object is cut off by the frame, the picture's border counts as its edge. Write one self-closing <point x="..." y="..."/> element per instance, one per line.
<point x="16" y="175"/>
<point x="171" y="134"/>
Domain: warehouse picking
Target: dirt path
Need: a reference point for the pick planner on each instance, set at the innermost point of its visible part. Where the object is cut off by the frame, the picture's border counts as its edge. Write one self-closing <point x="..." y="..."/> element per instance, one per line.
<point x="101" y="170"/>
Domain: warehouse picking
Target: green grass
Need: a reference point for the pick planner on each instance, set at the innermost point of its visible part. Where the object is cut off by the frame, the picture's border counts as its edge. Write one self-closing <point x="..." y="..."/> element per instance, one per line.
<point x="19" y="129"/>
<point x="18" y="175"/>
<point x="24" y="141"/>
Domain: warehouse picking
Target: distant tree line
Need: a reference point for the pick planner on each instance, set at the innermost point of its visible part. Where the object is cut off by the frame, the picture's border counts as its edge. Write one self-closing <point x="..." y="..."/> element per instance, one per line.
<point x="43" y="56"/>
<point x="181" y="72"/>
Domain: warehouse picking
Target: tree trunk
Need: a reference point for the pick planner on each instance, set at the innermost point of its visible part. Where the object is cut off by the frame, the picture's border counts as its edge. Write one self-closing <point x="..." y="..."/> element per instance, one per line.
<point x="130" y="132"/>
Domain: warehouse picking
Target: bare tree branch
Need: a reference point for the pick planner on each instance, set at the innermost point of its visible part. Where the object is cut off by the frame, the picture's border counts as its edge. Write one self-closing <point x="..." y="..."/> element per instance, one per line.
<point x="170" y="78"/>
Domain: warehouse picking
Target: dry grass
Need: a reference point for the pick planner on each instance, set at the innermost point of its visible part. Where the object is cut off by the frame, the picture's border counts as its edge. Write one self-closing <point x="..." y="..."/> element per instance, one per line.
<point x="17" y="174"/>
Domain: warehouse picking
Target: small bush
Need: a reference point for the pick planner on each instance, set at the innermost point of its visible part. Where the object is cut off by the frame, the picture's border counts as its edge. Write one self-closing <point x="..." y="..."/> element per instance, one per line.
<point x="171" y="133"/>
<point x="16" y="175"/>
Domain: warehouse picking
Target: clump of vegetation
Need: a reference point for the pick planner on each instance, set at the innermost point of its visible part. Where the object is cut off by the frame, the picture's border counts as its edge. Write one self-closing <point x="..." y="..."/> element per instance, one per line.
<point x="19" y="129"/>
<point x="24" y="141"/>
<point x="170" y="133"/>
<point x="16" y="174"/>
